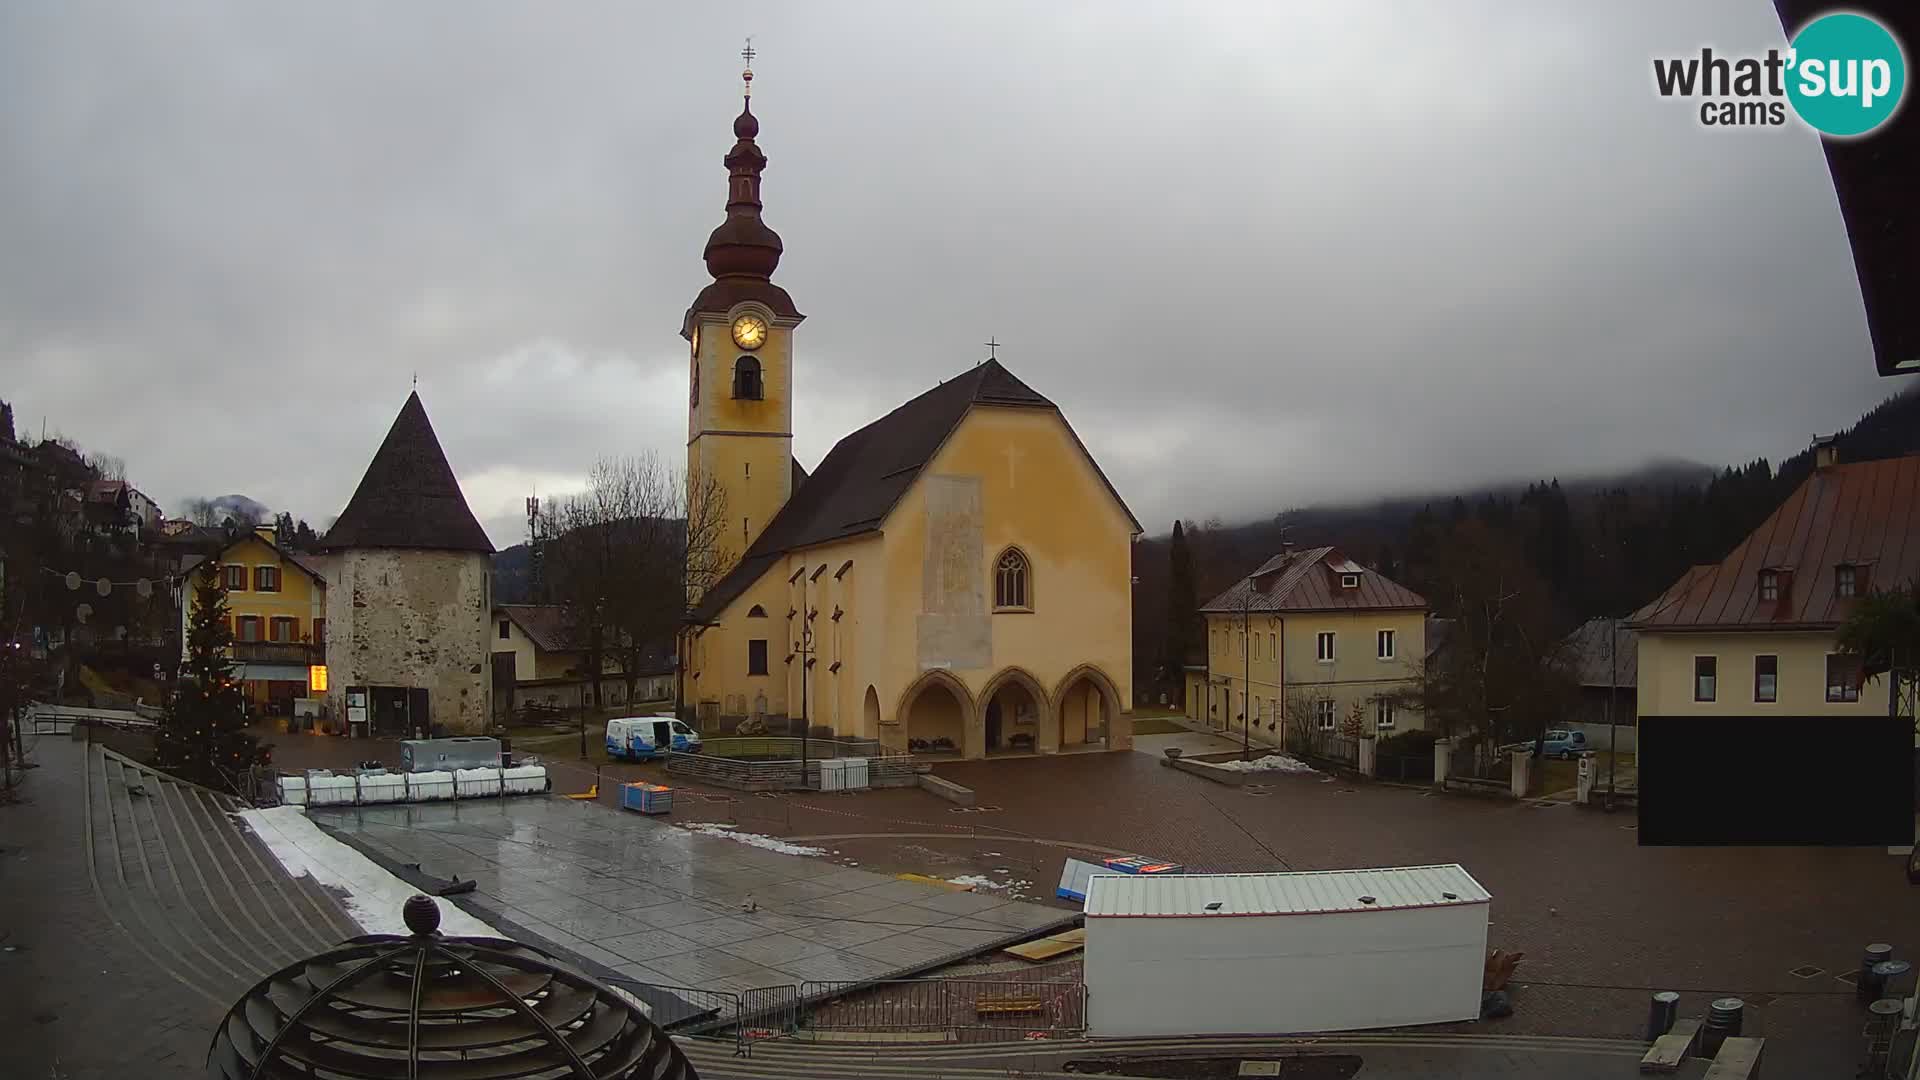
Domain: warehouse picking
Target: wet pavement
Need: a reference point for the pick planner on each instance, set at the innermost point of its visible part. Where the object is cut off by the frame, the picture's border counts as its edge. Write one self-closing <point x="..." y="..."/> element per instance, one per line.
<point x="669" y="907"/>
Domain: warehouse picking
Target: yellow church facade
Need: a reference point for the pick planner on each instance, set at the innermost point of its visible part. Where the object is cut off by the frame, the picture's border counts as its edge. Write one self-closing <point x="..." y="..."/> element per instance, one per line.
<point x="953" y="579"/>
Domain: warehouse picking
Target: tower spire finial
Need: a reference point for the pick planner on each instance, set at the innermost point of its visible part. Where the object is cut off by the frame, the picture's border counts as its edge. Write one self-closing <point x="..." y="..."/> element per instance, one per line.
<point x="746" y="77"/>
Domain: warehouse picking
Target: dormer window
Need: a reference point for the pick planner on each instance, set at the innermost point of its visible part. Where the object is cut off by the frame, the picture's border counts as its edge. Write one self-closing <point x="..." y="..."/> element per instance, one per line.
<point x="1769" y="585"/>
<point x="1349" y="581"/>
<point x="1846" y="580"/>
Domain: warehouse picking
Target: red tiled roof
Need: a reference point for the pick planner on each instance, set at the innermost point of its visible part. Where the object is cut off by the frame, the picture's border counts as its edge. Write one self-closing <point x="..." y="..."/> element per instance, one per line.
<point x="1865" y="515"/>
<point x="1309" y="580"/>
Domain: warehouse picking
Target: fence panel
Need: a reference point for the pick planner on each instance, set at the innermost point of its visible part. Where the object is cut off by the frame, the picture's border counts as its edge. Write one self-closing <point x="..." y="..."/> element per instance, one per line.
<point x="955" y="1010"/>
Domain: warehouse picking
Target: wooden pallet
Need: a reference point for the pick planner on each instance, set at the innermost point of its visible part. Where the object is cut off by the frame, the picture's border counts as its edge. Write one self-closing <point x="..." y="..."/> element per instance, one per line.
<point x="1671" y="1049"/>
<point x="1047" y="948"/>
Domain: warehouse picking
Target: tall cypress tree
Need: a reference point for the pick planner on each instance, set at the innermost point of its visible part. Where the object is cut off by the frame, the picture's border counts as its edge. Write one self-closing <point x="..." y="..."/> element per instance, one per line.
<point x="1181" y="614"/>
<point x="203" y="736"/>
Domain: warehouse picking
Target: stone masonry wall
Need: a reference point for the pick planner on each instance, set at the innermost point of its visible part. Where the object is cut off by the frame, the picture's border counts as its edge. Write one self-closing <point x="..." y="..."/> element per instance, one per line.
<point x="398" y="617"/>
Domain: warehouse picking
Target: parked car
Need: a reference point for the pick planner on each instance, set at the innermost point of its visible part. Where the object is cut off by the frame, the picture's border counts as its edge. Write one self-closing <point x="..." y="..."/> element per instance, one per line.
<point x="1565" y="744"/>
<point x="642" y="738"/>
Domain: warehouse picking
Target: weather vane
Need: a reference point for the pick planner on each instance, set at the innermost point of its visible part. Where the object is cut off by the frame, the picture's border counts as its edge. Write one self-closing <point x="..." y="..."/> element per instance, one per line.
<point x="748" y="54"/>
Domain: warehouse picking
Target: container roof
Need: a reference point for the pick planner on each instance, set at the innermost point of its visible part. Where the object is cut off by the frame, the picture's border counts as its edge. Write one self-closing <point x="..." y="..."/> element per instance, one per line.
<point x="1316" y="892"/>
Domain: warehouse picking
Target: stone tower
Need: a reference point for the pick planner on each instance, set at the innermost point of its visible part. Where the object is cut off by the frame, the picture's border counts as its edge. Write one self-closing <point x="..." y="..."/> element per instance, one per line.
<point x="409" y="593"/>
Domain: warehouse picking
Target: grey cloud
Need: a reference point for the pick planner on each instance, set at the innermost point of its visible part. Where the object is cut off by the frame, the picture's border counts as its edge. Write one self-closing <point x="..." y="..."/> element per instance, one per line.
<point x="1262" y="255"/>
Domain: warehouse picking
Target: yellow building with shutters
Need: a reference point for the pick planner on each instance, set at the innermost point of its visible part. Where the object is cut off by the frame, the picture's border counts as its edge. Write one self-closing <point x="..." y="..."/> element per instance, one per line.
<point x="954" y="578"/>
<point x="276" y="611"/>
<point x="1315" y="642"/>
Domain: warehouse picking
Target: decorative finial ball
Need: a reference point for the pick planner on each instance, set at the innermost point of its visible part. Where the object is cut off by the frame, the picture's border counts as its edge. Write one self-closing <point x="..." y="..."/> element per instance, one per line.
<point x="422" y="914"/>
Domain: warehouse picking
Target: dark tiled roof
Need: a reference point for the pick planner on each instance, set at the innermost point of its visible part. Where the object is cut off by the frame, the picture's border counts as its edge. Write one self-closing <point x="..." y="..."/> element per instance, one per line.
<point x="866" y="473"/>
<point x="408" y="497"/>
<point x="548" y="627"/>
<point x="1309" y="580"/>
<point x="1865" y="515"/>
<point x="1439" y="634"/>
<point x="1585" y="656"/>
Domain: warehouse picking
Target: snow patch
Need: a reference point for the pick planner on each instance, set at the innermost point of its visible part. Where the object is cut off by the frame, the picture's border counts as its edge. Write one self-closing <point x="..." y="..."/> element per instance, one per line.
<point x="1270" y="763"/>
<point x="981" y="882"/>
<point x="766" y="843"/>
<point x="374" y="897"/>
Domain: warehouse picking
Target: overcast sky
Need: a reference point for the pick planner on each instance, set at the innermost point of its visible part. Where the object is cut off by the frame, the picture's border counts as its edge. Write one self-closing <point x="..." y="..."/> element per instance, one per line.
<point x="1261" y="256"/>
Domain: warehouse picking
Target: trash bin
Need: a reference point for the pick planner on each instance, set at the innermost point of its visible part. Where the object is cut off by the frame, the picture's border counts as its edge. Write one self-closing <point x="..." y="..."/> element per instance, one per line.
<point x="1661" y="1015"/>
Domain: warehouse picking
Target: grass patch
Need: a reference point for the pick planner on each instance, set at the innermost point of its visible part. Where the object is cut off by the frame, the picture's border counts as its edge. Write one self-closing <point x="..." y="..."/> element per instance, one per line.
<point x="1155" y="725"/>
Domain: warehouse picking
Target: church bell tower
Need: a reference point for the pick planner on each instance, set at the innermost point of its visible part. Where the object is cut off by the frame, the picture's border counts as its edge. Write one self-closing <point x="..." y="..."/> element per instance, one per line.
<point x="740" y="333"/>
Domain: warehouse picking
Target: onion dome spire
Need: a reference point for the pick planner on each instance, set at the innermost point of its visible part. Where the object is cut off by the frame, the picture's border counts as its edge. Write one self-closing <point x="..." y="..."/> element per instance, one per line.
<point x="743" y="245"/>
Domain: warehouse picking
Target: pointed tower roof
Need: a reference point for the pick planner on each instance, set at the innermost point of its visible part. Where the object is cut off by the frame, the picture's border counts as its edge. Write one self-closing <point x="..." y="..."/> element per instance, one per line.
<point x="408" y="497"/>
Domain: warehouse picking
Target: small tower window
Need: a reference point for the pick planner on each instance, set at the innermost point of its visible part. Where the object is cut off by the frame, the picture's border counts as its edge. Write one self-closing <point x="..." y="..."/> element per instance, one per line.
<point x="756" y="612"/>
<point x="746" y="379"/>
<point x="1010" y="584"/>
<point x="1769" y="585"/>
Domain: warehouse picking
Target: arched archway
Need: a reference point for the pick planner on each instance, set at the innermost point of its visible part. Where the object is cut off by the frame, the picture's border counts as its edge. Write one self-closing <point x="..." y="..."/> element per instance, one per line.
<point x="1016" y="715"/>
<point x="1088" y="707"/>
<point x="870" y="714"/>
<point x="937" y="712"/>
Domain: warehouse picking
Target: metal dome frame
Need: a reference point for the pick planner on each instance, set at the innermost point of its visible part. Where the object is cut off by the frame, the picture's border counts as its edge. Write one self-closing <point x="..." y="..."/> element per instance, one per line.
<point x="358" y="1011"/>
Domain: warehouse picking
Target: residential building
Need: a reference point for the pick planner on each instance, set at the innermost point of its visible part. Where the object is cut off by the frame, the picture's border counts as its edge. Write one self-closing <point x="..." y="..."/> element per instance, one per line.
<point x="409" y="594"/>
<point x="119" y="506"/>
<point x="539" y="660"/>
<point x="1755" y="634"/>
<point x="1603" y="656"/>
<point x="955" y="577"/>
<point x="276" y="611"/>
<point x="1313" y="641"/>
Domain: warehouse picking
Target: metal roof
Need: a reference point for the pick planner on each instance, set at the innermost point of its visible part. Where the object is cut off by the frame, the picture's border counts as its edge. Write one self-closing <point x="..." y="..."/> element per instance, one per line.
<point x="1861" y="515"/>
<point x="1309" y="580"/>
<point x="1317" y="892"/>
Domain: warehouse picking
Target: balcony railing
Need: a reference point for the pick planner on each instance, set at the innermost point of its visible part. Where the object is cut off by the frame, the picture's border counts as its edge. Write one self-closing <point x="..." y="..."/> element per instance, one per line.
<point x="279" y="652"/>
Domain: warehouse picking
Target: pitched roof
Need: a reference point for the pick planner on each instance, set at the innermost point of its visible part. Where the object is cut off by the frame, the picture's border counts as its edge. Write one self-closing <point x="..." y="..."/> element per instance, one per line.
<point x="547" y="626"/>
<point x="1865" y="515"/>
<point x="297" y="561"/>
<point x="408" y="497"/>
<point x="1585" y="656"/>
<point x="865" y="474"/>
<point x="1308" y="580"/>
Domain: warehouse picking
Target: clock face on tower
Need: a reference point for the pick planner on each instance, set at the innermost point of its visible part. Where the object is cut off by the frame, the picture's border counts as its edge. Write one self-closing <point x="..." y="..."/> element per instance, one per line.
<point x="749" y="331"/>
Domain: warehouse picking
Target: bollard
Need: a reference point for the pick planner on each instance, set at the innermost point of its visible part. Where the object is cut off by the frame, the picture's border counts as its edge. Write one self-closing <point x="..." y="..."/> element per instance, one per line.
<point x="1660" y="1016"/>
<point x="1723" y="1020"/>
<point x="1862" y="986"/>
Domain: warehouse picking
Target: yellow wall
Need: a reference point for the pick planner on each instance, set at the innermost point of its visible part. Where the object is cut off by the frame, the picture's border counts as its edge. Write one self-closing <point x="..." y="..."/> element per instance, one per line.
<point x="1356" y="676"/>
<point x="1037" y="490"/>
<point x="746" y="445"/>
<point x="300" y="597"/>
<point x="1666" y="676"/>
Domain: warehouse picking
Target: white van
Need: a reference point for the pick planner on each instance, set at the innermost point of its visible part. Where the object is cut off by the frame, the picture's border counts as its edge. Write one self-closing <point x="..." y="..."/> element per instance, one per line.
<point x="643" y="738"/>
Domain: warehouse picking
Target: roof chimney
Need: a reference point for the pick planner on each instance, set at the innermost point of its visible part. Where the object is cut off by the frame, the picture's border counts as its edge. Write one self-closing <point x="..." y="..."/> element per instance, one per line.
<point x="1826" y="452"/>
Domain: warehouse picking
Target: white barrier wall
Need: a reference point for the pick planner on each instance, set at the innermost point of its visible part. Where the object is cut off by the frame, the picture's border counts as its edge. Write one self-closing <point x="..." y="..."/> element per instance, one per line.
<point x="321" y="788"/>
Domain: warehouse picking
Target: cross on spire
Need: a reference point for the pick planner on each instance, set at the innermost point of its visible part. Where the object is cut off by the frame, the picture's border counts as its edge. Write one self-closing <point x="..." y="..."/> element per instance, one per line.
<point x="746" y="77"/>
<point x="993" y="348"/>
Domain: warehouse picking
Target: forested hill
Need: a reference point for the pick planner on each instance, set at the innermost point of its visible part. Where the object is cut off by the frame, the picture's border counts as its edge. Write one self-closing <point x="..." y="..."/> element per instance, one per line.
<point x="1596" y="546"/>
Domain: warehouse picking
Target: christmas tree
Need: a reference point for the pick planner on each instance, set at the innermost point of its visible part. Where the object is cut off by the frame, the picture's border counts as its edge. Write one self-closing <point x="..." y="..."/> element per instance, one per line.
<point x="203" y="737"/>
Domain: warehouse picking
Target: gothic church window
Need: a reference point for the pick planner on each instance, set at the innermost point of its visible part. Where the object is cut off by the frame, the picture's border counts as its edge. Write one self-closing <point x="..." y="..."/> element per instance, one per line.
<point x="1011" y="587"/>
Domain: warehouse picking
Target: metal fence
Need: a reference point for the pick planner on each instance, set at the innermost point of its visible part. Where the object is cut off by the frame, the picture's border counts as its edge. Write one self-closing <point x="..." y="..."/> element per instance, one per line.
<point x="1406" y="768"/>
<point x="948" y="1010"/>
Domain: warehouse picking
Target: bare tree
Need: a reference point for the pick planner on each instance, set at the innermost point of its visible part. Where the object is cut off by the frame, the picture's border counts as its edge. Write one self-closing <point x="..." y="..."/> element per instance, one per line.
<point x="110" y="466"/>
<point x="628" y="556"/>
<point x="202" y="512"/>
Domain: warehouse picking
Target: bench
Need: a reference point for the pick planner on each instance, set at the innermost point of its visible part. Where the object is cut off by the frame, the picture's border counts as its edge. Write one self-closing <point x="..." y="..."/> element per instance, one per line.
<point x="1671" y="1049"/>
<point x="1738" y="1059"/>
<point x="1006" y="1006"/>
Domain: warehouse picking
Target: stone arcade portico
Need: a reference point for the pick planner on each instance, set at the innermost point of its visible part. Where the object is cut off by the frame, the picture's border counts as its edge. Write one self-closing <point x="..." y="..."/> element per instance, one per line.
<point x="1010" y="713"/>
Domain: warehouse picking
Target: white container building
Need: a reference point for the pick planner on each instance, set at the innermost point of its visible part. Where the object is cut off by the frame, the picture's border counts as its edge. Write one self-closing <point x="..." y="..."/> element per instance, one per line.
<point x="1277" y="954"/>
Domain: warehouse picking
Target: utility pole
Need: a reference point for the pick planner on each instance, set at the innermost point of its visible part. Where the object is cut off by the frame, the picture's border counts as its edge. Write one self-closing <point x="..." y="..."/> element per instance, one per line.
<point x="1246" y="671"/>
<point x="1613" y="691"/>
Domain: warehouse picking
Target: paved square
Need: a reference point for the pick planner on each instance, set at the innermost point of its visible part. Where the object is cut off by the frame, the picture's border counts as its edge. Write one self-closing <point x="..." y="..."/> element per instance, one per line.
<point x="661" y="905"/>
